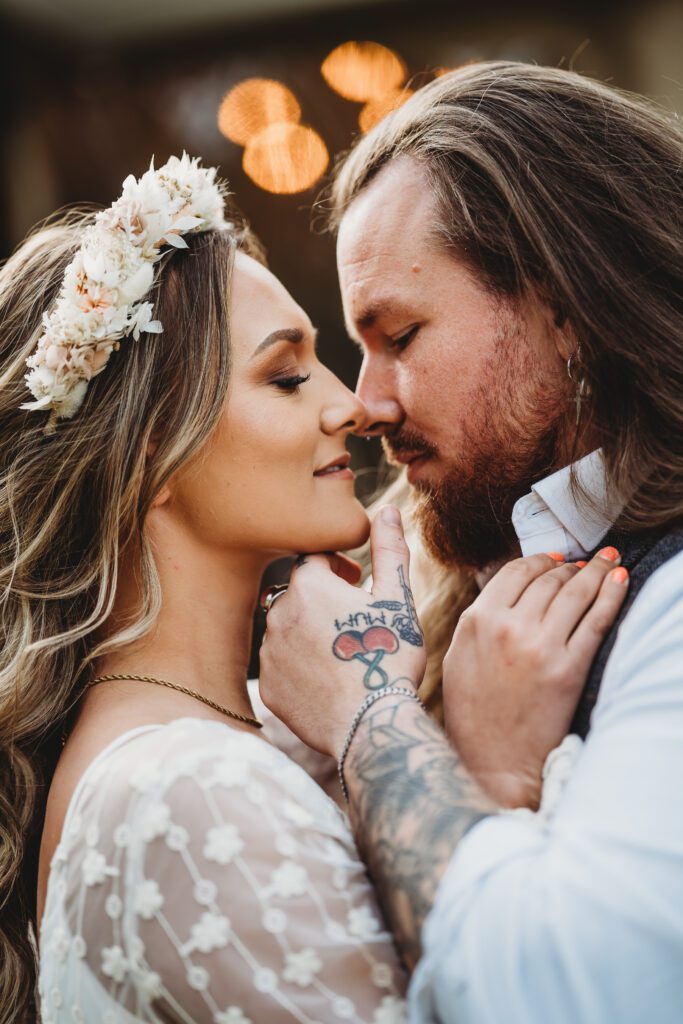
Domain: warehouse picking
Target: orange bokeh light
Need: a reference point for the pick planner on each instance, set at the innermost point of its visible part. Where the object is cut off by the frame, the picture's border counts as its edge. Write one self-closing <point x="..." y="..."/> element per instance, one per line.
<point x="253" y="105"/>
<point x="375" y="111"/>
<point x="362" y="72"/>
<point x="286" y="158"/>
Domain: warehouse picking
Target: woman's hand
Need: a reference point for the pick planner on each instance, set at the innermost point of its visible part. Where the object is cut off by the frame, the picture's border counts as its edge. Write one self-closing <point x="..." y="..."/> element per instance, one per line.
<point x="328" y="644"/>
<point x="517" y="665"/>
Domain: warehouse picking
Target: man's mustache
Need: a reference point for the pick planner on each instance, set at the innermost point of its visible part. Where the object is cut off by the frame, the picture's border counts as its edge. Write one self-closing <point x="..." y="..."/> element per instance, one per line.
<point x="406" y="441"/>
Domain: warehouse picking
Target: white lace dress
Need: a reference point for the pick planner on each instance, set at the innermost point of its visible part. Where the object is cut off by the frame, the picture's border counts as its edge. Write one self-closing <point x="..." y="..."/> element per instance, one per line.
<point x="202" y="876"/>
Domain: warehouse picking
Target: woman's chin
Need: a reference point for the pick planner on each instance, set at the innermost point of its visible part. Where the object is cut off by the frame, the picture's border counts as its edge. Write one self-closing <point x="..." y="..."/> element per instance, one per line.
<point x="342" y="535"/>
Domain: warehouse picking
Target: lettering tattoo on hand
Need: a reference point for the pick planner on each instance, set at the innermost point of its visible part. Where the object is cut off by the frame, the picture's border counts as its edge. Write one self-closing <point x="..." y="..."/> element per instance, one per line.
<point x="379" y="638"/>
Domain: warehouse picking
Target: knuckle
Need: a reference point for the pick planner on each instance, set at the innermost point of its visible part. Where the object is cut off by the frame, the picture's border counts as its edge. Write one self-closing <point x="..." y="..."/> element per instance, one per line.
<point x="564" y="573"/>
<point x="569" y="677"/>
<point x="469" y="620"/>
<point x="506" y="632"/>
<point x="600" y="619"/>
<point x="536" y="656"/>
<point x="528" y="654"/>
<point x="518" y="566"/>
<point x="394" y="544"/>
<point x="551" y="581"/>
<point x="555" y="675"/>
<point x="585" y="586"/>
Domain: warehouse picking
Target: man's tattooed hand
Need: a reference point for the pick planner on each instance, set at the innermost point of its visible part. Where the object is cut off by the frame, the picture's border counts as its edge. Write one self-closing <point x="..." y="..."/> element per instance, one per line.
<point x="405" y="620"/>
<point x="329" y="643"/>
<point x="411" y="801"/>
<point x="382" y="636"/>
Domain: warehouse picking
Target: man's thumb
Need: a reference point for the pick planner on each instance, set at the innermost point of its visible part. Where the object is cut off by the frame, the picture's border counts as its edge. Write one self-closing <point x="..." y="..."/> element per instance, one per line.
<point x="389" y="552"/>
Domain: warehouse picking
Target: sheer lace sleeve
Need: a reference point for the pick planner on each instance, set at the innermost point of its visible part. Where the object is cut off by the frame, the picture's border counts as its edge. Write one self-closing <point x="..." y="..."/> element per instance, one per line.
<point x="211" y="880"/>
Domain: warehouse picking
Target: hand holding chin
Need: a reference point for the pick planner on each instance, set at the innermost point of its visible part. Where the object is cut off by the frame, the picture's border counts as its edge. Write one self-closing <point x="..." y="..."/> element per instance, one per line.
<point x="329" y="644"/>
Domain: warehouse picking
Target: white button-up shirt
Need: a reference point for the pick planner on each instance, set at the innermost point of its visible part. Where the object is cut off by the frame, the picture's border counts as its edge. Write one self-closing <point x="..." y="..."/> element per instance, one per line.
<point x="551" y="519"/>
<point x="576" y="916"/>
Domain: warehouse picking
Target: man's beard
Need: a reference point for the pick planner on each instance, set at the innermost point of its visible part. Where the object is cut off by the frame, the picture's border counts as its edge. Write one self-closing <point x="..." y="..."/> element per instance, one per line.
<point x="466" y="516"/>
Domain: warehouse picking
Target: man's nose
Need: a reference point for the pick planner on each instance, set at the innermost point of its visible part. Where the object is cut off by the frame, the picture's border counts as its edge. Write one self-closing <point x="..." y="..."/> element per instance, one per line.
<point x="376" y="392"/>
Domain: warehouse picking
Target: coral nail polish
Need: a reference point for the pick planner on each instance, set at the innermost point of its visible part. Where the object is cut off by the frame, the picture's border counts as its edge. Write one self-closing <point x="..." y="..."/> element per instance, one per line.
<point x="609" y="553"/>
<point x="619" y="575"/>
<point x="581" y="565"/>
<point x="556" y="556"/>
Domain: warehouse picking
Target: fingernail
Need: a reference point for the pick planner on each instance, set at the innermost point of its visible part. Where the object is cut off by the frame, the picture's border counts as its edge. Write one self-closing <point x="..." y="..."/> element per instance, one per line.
<point x="611" y="554"/>
<point x="581" y="565"/>
<point x="556" y="556"/>
<point x="391" y="515"/>
<point x="619" y="575"/>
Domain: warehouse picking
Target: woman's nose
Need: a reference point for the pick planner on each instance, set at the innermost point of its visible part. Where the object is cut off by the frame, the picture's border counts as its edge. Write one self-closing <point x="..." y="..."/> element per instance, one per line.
<point x="343" y="411"/>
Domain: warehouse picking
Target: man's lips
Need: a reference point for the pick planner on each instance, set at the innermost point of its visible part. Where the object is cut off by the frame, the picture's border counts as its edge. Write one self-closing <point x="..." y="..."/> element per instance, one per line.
<point x="406" y="458"/>
<point x="413" y="459"/>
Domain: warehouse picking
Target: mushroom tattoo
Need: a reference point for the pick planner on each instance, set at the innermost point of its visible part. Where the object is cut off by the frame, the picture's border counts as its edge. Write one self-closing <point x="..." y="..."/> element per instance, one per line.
<point x="368" y="647"/>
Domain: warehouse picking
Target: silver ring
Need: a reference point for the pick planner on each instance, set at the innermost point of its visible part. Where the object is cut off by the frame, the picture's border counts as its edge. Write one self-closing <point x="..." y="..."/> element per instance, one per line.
<point x="270" y="596"/>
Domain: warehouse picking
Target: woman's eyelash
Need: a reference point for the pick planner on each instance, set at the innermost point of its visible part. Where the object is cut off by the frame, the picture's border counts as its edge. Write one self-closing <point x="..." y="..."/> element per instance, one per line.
<point x="291" y="384"/>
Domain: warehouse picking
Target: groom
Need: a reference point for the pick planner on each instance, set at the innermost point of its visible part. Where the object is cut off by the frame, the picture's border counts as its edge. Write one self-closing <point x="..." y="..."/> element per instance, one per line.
<point x="510" y="259"/>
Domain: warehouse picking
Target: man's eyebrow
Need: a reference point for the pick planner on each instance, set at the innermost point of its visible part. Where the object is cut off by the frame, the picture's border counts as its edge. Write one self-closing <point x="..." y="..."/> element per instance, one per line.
<point x="369" y="316"/>
<point x="294" y="335"/>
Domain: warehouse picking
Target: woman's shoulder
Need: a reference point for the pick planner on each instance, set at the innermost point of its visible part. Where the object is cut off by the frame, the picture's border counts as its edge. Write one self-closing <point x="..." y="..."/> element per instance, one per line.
<point x="191" y="763"/>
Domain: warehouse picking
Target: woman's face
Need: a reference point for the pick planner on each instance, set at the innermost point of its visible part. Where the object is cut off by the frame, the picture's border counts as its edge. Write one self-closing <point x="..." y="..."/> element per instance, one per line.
<point x="274" y="477"/>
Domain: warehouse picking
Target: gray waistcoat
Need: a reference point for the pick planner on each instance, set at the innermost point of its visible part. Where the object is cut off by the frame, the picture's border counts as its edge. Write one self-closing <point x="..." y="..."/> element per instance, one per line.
<point x="641" y="554"/>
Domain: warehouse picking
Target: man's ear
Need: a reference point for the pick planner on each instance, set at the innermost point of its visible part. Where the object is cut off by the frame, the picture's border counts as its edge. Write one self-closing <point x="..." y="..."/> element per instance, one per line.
<point x="164" y="494"/>
<point x="564" y="334"/>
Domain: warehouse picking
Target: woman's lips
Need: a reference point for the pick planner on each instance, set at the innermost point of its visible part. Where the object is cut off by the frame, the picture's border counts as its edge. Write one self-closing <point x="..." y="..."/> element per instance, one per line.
<point x="335" y="473"/>
<point x="337" y="470"/>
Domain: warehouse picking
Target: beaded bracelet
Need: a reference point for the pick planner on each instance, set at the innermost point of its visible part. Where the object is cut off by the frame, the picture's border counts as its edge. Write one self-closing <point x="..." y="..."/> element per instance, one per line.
<point x="355" y="722"/>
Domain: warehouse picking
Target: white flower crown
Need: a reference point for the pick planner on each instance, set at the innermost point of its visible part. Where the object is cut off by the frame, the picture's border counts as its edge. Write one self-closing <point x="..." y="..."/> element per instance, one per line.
<point x="101" y="298"/>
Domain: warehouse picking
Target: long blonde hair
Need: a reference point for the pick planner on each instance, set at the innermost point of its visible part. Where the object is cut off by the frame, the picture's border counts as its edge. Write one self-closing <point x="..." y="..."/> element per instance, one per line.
<point x="69" y="504"/>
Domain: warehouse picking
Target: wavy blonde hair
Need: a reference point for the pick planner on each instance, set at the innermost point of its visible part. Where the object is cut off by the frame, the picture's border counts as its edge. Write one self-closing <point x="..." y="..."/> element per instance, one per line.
<point x="69" y="504"/>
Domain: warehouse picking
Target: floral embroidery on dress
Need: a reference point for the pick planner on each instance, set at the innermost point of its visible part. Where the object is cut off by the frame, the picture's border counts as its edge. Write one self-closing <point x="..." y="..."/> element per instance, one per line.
<point x="197" y="867"/>
<point x="148" y="899"/>
<point x="223" y="844"/>
<point x="233" y="1015"/>
<point x="302" y="967"/>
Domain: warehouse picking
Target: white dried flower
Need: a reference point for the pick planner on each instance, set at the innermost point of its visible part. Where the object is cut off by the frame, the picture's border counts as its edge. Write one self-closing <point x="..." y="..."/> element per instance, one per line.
<point x="101" y="299"/>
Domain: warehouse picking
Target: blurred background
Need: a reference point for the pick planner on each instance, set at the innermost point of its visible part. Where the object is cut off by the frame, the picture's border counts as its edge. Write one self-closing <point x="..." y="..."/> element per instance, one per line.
<point x="91" y="89"/>
<point x="272" y="91"/>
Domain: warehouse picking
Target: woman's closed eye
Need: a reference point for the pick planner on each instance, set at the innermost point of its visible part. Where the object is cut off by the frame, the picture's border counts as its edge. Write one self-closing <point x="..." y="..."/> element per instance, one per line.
<point x="292" y="383"/>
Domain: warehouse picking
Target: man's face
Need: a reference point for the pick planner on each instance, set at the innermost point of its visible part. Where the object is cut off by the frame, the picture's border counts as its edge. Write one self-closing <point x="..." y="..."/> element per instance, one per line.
<point x="469" y="391"/>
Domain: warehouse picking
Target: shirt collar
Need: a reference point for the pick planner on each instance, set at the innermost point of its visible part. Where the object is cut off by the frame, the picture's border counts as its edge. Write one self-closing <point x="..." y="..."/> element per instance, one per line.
<point x="549" y="518"/>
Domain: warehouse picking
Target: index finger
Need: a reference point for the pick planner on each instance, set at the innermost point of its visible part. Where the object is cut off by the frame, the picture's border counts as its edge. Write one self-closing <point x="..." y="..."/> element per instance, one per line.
<point x="510" y="582"/>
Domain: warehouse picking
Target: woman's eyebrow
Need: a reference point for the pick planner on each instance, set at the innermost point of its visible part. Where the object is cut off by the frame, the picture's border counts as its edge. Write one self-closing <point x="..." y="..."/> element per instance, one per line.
<point x="294" y="335"/>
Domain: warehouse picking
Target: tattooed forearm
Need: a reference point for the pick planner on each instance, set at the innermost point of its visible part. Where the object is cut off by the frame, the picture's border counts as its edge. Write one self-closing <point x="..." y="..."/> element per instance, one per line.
<point x="411" y="802"/>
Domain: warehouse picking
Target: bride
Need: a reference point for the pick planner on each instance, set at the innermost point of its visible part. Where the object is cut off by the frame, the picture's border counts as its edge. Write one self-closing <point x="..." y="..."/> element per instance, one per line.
<point x="175" y="433"/>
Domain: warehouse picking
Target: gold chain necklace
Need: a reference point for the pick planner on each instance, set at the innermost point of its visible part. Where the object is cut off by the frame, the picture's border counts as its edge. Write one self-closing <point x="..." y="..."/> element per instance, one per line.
<point x="180" y="689"/>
